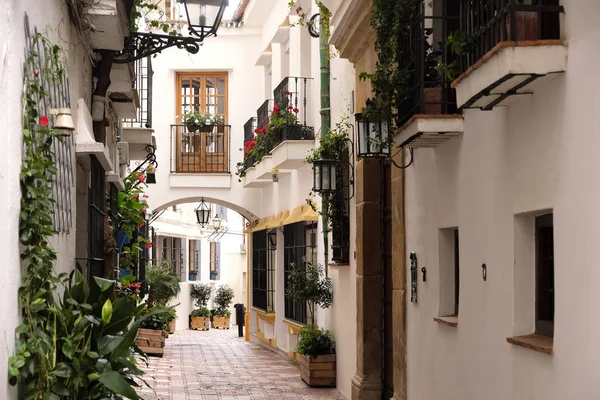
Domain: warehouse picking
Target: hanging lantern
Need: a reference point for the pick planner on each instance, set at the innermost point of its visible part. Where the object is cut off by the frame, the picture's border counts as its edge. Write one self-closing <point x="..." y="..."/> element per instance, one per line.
<point x="275" y="174"/>
<point x="150" y="174"/>
<point x="373" y="138"/>
<point x="204" y="16"/>
<point x="325" y="176"/>
<point x="202" y="214"/>
<point x="272" y="236"/>
<point x="216" y="222"/>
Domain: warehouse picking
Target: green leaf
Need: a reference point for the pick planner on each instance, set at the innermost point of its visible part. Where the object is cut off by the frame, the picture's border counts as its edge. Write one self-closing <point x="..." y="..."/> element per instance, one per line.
<point x="114" y="381"/>
<point x="63" y="370"/>
<point x="68" y="350"/>
<point x="107" y="311"/>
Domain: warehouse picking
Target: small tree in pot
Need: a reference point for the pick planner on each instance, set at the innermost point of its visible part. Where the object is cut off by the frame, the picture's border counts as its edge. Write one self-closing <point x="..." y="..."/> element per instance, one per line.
<point x="223" y="299"/>
<point x="307" y="284"/>
<point x="200" y="317"/>
<point x="163" y="287"/>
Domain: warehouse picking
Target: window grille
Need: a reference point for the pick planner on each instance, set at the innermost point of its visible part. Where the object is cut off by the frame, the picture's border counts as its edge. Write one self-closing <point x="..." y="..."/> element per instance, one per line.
<point x="263" y="272"/>
<point x="96" y="220"/>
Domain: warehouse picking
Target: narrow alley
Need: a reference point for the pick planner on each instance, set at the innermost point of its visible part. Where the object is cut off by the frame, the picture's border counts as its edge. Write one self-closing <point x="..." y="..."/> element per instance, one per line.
<point x="216" y="364"/>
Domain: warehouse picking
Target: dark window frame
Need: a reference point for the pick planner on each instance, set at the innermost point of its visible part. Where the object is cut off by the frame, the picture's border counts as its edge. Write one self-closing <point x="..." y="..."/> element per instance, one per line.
<point x="263" y="272"/>
<point x="297" y="250"/>
<point x="544" y="275"/>
<point x="456" y="272"/>
<point x="96" y="206"/>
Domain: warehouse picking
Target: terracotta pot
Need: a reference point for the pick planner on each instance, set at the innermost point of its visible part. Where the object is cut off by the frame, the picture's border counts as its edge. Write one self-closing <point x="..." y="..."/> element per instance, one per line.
<point x="433" y="100"/>
<point x="526" y="25"/>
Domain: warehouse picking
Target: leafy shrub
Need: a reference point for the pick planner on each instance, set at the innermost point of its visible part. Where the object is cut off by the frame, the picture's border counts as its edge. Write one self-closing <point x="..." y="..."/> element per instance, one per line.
<point x="223" y="299"/>
<point x="163" y="285"/>
<point x="154" y="322"/>
<point x="315" y="342"/>
<point x="201" y="293"/>
<point x="222" y="313"/>
<point x="308" y="284"/>
<point x="201" y="312"/>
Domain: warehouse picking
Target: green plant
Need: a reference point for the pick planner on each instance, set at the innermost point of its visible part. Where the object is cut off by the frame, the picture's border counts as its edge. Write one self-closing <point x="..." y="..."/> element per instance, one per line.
<point x="308" y="284"/>
<point x="223" y="299"/>
<point x="459" y="43"/>
<point x="315" y="342"/>
<point x="201" y="293"/>
<point x="131" y="215"/>
<point x="163" y="285"/>
<point x="201" y="312"/>
<point x="143" y="10"/>
<point x="195" y="117"/>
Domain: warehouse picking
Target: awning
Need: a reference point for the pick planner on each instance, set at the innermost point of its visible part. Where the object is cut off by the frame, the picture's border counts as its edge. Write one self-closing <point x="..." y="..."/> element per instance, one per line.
<point x="302" y="213"/>
<point x="262" y="225"/>
<point x="278" y="220"/>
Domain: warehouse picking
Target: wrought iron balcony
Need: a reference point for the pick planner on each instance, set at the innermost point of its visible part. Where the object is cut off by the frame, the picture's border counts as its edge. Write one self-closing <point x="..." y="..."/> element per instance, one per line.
<point x="200" y="152"/>
<point x="263" y="112"/>
<point x="143" y="84"/>
<point x="249" y="128"/>
<point x="491" y="22"/>
<point x="293" y="94"/>
<point x="429" y="91"/>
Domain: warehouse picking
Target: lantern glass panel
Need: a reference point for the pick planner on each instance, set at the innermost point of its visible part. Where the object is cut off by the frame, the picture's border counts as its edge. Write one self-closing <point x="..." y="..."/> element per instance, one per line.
<point x="326" y="177"/>
<point x="317" y="172"/>
<point x="333" y="178"/>
<point x="204" y="14"/>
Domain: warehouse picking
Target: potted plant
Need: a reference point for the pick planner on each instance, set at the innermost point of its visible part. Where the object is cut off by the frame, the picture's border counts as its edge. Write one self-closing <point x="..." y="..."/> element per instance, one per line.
<point x="151" y="335"/>
<point x="197" y="121"/>
<point x="223" y="299"/>
<point x="214" y="275"/>
<point x="307" y="284"/>
<point x="200" y="317"/>
<point x="163" y="287"/>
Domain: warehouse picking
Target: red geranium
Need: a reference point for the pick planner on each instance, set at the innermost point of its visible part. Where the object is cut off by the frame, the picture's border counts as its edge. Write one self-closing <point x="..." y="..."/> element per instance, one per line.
<point x="296" y="110"/>
<point x="44" y="120"/>
<point x="290" y="107"/>
<point x="148" y="245"/>
<point x="275" y="109"/>
<point x="140" y="177"/>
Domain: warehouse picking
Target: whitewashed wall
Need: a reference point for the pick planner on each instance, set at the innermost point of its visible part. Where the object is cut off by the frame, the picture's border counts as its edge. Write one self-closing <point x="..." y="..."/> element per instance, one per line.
<point x="539" y="153"/>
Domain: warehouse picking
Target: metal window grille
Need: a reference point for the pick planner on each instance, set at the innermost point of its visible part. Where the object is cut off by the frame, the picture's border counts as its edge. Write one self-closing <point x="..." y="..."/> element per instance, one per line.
<point x="58" y="97"/>
<point x="143" y="84"/>
<point x="215" y="260"/>
<point x="263" y="272"/>
<point x="171" y="251"/>
<point x="96" y="197"/>
<point x="340" y="223"/>
<point x="299" y="247"/>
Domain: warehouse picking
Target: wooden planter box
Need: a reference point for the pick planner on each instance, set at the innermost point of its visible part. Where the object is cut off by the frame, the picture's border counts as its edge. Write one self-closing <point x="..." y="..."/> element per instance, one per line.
<point x="200" y="323"/>
<point x="221" y="322"/>
<point x="151" y="341"/>
<point x="318" y="371"/>
<point x="166" y="334"/>
<point x="171" y="327"/>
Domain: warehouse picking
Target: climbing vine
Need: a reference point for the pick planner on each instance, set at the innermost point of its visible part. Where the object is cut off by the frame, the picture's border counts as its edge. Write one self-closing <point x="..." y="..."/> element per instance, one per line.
<point x="75" y="341"/>
<point x="391" y="20"/>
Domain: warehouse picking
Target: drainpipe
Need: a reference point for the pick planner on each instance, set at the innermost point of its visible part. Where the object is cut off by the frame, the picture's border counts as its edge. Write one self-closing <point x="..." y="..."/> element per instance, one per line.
<point x="325" y="56"/>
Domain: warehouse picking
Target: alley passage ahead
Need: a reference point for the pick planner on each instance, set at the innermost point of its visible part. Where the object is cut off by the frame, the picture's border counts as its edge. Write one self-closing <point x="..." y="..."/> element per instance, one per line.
<point x="216" y="364"/>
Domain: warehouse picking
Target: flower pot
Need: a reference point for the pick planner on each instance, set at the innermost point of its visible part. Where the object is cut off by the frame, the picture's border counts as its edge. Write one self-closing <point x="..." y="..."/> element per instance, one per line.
<point x="220" y="322"/>
<point x="432" y="100"/>
<point x="172" y="327"/>
<point x="318" y="371"/>
<point x="200" y="323"/>
<point x="151" y="341"/>
<point x="200" y="128"/>
<point x="526" y="25"/>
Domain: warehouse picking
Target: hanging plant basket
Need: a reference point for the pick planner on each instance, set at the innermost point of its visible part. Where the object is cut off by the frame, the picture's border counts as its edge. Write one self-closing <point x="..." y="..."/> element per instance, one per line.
<point x="200" y="128"/>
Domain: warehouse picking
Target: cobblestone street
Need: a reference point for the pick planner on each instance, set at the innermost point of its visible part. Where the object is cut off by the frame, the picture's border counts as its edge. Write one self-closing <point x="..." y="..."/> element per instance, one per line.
<point x="216" y="364"/>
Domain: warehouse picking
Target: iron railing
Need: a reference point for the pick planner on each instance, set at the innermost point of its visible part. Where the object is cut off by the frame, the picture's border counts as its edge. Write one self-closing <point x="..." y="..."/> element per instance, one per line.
<point x="263" y="288"/>
<point x="489" y="22"/>
<point x="249" y="128"/>
<point x="263" y="112"/>
<point x="293" y="93"/>
<point x="96" y="212"/>
<point x="201" y="152"/>
<point x="429" y="91"/>
<point x="143" y="83"/>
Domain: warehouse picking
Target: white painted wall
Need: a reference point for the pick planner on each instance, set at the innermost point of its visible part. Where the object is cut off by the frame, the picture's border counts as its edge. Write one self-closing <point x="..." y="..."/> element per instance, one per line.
<point x="539" y="153"/>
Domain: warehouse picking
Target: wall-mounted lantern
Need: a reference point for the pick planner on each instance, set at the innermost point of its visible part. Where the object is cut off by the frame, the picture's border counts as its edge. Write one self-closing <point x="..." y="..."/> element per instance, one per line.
<point x="275" y="174"/>
<point x="373" y="137"/>
<point x="272" y="236"/>
<point x="216" y="222"/>
<point x="63" y="122"/>
<point x="202" y="214"/>
<point x="204" y="16"/>
<point x="150" y="174"/>
<point x="325" y="176"/>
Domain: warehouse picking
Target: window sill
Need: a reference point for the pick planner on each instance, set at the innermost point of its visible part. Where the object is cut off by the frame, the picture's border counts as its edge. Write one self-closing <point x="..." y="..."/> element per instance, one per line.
<point x="339" y="264"/>
<point x="450" y="320"/>
<point x="539" y="343"/>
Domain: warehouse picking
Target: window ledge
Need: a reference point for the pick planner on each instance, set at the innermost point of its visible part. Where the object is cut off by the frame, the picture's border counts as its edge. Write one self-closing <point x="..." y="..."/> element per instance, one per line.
<point x="540" y="343"/>
<point x="338" y="264"/>
<point x="450" y="320"/>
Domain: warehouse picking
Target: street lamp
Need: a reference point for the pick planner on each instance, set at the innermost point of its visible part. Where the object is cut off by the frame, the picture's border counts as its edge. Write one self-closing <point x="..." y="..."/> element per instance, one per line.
<point x="204" y="16"/>
<point x="216" y="222"/>
<point x="373" y="137"/>
<point x="325" y="176"/>
<point x="202" y="214"/>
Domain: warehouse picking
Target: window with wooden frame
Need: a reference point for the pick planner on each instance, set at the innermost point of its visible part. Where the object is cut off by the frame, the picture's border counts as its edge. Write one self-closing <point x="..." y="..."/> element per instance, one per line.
<point x="171" y="250"/>
<point x="544" y="275"/>
<point x="194" y="259"/>
<point x="206" y="92"/>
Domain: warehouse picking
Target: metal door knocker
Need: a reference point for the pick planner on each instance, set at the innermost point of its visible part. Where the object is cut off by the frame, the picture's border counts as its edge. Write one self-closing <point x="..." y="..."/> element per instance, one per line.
<point x="413" y="277"/>
<point x="424" y="271"/>
<point x="484" y="272"/>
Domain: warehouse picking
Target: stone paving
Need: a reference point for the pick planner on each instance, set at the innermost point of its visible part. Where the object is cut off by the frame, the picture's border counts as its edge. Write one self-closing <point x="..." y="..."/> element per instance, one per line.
<point x="217" y="364"/>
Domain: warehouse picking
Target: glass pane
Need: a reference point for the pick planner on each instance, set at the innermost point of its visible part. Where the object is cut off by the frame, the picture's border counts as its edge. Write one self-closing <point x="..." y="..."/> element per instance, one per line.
<point x="220" y="105"/>
<point x="210" y="86"/>
<point x="185" y="86"/>
<point x="221" y="86"/>
<point x="196" y="86"/>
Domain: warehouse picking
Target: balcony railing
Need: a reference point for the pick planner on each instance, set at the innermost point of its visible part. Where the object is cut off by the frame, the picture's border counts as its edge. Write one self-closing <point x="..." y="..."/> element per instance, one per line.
<point x="200" y="152"/>
<point x="249" y="127"/>
<point x="429" y="91"/>
<point x="491" y="22"/>
<point x="263" y="112"/>
<point x="294" y="93"/>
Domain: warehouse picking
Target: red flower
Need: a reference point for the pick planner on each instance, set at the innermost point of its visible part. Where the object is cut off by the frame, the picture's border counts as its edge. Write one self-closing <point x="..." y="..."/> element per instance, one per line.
<point x="256" y="130"/>
<point x="290" y="107"/>
<point x="296" y="110"/>
<point x="288" y="92"/>
<point x="144" y="210"/>
<point x="140" y="177"/>
<point x="275" y="109"/>
<point x="44" y="120"/>
<point x="141" y="223"/>
<point x="148" y="245"/>
<point x="36" y="73"/>
<point x="146" y="196"/>
<point x="135" y="198"/>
